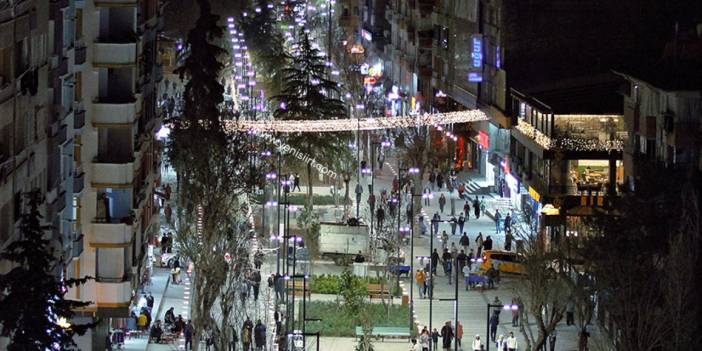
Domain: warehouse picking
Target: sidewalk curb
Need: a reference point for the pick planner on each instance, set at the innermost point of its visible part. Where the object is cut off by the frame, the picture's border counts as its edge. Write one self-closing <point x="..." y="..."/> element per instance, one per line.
<point x="158" y="310"/>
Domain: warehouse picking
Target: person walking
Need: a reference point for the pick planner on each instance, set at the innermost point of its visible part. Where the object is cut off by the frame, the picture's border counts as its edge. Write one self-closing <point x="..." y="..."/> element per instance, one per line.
<point x="424" y="339"/>
<point x="459" y="334"/>
<point x="296" y="182"/>
<point x="461" y="222"/>
<point x="427" y="197"/>
<point x="444" y="240"/>
<point x="494" y="322"/>
<point x="515" y="312"/>
<point x="501" y="343"/>
<point x="260" y="335"/>
<point x="446" y="260"/>
<point x="466" y="275"/>
<point x="476" y="207"/>
<point x="466" y="209"/>
<point x="435" y="339"/>
<point x="453" y="222"/>
<point x="359" y="192"/>
<point x="447" y="335"/>
<point x="380" y="216"/>
<point x="487" y="244"/>
<point x="371" y="202"/>
<point x="477" y="344"/>
<point x="414" y="346"/>
<point x="512" y="344"/>
<point x="439" y="181"/>
<point x="464" y="241"/>
<point x="432" y="179"/>
<point x="479" y="244"/>
<point x="420" y="278"/>
<point x="246" y="334"/>
<point x="256" y="283"/>
<point x="498" y="220"/>
<point x="508" y="223"/>
<point x="434" y="261"/>
<point x="454" y="250"/>
<point x="442" y="203"/>
<point x="435" y="222"/>
<point x="188" y="334"/>
<point x="429" y="283"/>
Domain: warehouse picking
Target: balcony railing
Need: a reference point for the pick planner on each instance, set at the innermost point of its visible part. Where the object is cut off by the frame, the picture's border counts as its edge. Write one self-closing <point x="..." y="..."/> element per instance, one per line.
<point x="79" y="119"/>
<point x="114" y="111"/>
<point x="80" y="54"/>
<point x="113" y="292"/>
<point x="113" y="173"/>
<point x="78" y="182"/>
<point x="111" y="54"/>
<point x="77" y="248"/>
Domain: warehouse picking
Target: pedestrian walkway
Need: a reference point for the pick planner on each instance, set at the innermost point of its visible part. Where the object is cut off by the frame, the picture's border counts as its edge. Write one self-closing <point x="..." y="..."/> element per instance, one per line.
<point x="160" y="280"/>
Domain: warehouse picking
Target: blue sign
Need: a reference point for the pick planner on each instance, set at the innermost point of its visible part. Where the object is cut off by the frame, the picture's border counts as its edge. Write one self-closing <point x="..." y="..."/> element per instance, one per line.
<point x="477" y="51"/>
<point x="475" y="77"/>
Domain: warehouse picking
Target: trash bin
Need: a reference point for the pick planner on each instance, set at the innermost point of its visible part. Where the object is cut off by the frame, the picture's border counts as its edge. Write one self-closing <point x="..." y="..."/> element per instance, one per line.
<point x="405" y="300"/>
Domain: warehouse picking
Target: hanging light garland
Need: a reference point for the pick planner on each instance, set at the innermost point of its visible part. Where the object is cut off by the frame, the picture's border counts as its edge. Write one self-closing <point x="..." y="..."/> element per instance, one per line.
<point x="570" y="144"/>
<point x="340" y="125"/>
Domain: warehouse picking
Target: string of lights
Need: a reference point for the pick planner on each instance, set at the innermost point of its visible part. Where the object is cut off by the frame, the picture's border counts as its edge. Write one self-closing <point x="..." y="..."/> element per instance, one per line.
<point x="570" y="144"/>
<point x="340" y="125"/>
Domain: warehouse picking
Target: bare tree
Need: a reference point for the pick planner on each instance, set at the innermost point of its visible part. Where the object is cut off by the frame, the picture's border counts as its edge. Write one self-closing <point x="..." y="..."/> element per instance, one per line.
<point x="543" y="292"/>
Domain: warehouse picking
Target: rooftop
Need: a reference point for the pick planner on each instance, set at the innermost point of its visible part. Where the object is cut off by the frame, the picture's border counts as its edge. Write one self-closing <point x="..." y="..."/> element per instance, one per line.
<point x="594" y="95"/>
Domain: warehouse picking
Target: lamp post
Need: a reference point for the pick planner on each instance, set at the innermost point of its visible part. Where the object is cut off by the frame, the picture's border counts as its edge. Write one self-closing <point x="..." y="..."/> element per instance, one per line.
<point x="508" y="307"/>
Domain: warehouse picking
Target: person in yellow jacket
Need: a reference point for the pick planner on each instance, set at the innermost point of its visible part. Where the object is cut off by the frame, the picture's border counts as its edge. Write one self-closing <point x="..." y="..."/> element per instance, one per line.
<point x="141" y="321"/>
<point x="421" y="278"/>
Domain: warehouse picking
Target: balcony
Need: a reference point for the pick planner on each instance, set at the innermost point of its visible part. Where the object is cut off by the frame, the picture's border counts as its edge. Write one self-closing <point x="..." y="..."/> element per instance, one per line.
<point x="114" y="54"/>
<point x="115" y="175"/>
<point x="115" y="3"/>
<point x="60" y="136"/>
<point x="79" y="119"/>
<point x="77" y="248"/>
<point x="111" y="232"/>
<point x="113" y="292"/>
<point x="78" y="183"/>
<point x="107" y="111"/>
<point x="80" y="54"/>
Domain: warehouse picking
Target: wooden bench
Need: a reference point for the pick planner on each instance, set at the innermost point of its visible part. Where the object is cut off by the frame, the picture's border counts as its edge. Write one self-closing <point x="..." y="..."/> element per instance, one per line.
<point x="296" y="288"/>
<point x="386" y="332"/>
<point x="378" y="291"/>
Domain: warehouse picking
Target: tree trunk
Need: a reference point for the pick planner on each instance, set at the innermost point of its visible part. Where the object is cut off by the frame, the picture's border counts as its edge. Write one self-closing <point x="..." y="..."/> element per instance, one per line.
<point x="310" y="192"/>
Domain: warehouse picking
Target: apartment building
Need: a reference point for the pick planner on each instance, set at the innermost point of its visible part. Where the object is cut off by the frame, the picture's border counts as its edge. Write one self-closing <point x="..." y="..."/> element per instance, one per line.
<point x="117" y="152"/>
<point x="663" y="106"/>
<point x="25" y="136"/>
<point x="78" y="119"/>
<point x="408" y="55"/>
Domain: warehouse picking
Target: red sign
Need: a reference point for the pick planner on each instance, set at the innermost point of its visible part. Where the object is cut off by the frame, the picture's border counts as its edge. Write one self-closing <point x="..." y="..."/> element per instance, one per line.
<point x="484" y="139"/>
<point x="369" y="80"/>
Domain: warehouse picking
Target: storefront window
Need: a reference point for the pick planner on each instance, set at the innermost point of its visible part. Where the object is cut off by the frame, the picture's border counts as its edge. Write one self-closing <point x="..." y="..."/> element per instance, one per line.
<point x="592" y="175"/>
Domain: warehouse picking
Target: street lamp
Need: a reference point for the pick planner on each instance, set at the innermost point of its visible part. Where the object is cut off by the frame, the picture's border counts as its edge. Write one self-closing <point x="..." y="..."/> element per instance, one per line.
<point x="507" y="307"/>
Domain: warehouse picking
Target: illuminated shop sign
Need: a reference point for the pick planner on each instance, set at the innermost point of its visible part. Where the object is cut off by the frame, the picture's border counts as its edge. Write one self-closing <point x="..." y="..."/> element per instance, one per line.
<point x="477" y="50"/>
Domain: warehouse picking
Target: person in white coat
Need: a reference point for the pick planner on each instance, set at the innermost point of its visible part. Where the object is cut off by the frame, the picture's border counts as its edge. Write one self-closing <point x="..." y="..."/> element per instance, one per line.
<point x="512" y="342"/>
<point x="477" y="344"/>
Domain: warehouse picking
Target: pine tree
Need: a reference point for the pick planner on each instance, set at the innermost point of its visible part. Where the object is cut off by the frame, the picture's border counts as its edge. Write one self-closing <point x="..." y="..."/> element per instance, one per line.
<point x="32" y="297"/>
<point x="308" y="95"/>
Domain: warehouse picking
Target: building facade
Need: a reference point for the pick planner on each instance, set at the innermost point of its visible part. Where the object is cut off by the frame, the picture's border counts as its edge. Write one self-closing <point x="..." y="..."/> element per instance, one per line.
<point x="78" y="121"/>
